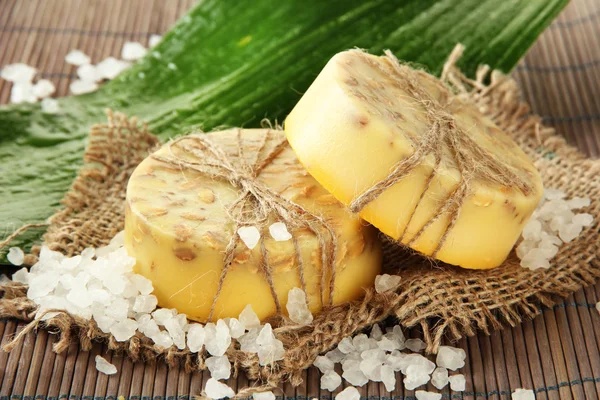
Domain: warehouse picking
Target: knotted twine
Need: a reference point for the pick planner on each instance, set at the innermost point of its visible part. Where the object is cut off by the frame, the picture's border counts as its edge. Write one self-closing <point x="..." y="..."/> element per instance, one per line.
<point x="470" y="158"/>
<point x="256" y="204"/>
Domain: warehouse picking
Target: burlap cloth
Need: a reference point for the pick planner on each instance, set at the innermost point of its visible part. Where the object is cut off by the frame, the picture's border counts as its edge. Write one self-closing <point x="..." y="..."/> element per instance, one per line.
<point x="443" y="300"/>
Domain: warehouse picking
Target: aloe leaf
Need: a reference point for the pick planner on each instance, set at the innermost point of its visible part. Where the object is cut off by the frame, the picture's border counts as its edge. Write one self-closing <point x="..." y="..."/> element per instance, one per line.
<point x="230" y="64"/>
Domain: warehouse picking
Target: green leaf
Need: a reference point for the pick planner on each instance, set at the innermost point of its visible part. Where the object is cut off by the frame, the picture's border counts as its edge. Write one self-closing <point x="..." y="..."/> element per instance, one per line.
<point x="230" y="64"/>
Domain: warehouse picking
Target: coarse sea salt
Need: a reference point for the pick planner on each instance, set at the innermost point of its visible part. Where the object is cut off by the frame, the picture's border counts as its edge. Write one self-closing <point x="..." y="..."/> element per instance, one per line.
<point x="43" y="88"/>
<point x="18" y="73"/>
<point x="217" y="390"/>
<point x="50" y="106"/>
<point x="250" y="235"/>
<point x="279" y="232"/>
<point x="81" y="87"/>
<point x="22" y="92"/>
<point x="104" y="366"/>
<point x="133" y="51"/>
<point x="523" y="394"/>
<point x="297" y="308"/>
<point x="15" y="256"/>
<point x="385" y="282"/>
<point x="77" y="57"/>
<point x="154" y="40"/>
<point x="553" y="223"/>
<point x="423" y="395"/>
<point x="350" y="393"/>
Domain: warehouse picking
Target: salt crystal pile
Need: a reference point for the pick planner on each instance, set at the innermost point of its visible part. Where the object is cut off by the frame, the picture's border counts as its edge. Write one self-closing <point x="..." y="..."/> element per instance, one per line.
<point x="279" y="232"/>
<point x="350" y="393"/>
<point x="104" y="366"/>
<point x="217" y="390"/>
<point x="552" y="224"/>
<point x="523" y="394"/>
<point x="385" y="282"/>
<point x="270" y="349"/>
<point x="330" y="380"/>
<point x="423" y="395"/>
<point x="249" y="235"/>
<point x="217" y="338"/>
<point x="439" y="377"/>
<point x="415" y="345"/>
<point x="297" y="307"/>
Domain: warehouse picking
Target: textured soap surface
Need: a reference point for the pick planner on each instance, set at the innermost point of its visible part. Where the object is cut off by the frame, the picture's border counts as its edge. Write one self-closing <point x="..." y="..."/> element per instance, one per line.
<point x="463" y="191"/>
<point x="178" y="229"/>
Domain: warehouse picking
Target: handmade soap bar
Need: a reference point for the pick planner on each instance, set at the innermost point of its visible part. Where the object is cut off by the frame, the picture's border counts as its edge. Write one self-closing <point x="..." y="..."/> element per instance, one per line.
<point x="421" y="164"/>
<point x="187" y="201"/>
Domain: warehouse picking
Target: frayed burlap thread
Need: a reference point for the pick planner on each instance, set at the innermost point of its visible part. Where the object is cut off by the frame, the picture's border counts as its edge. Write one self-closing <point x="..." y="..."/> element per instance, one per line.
<point x="441" y="299"/>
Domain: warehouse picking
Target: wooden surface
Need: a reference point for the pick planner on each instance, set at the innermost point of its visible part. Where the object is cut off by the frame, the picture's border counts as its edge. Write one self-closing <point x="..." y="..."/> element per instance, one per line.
<point x="557" y="354"/>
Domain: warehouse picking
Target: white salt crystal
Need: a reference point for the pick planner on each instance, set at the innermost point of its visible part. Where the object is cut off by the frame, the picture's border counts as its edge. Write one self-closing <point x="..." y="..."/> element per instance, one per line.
<point x="355" y="376"/>
<point x="578" y="202"/>
<point x="415" y="377"/>
<point x="424" y="395"/>
<point x="176" y="331"/>
<point x="376" y="332"/>
<point x="451" y="358"/>
<point x="554" y="194"/>
<point x="324" y="364"/>
<point x="248" y="341"/>
<point x="388" y="377"/>
<point x="297" y="307"/>
<point x="335" y="355"/>
<point x="268" y="354"/>
<point x="330" y="380"/>
<point x="375" y="354"/>
<point x="236" y="328"/>
<point x="263" y="396"/>
<point x="439" y="377"/>
<point x="457" y="382"/>
<point x="18" y="73"/>
<point x="569" y="232"/>
<point x="15" y="256"/>
<point x="346" y="345"/>
<point x="50" y="106"/>
<point x="145" y="304"/>
<point x="124" y="330"/>
<point x="41" y="285"/>
<point x="154" y="40"/>
<point x="103" y="321"/>
<point x="249" y="235"/>
<point x="532" y="230"/>
<point x="219" y="367"/>
<point x="418" y="363"/>
<point x="162" y="339"/>
<point x="350" y="393"/>
<point x="133" y="51"/>
<point x="583" y="219"/>
<point x="249" y="318"/>
<point x="22" y="92"/>
<point x="118" y="309"/>
<point x="523" y="394"/>
<point x="172" y="66"/>
<point x="217" y="390"/>
<point x="162" y="315"/>
<point x="386" y="282"/>
<point x="43" y="88"/>
<point x="143" y="284"/>
<point x="104" y="366"/>
<point x="77" y="57"/>
<point x="388" y="344"/>
<point x="415" y="345"/>
<point x="362" y="342"/>
<point x="88" y="73"/>
<point x="110" y="67"/>
<point x="81" y="87"/>
<point x="21" y="276"/>
<point x="279" y="232"/>
<point x="217" y="338"/>
<point x="535" y="259"/>
<point x="79" y="296"/>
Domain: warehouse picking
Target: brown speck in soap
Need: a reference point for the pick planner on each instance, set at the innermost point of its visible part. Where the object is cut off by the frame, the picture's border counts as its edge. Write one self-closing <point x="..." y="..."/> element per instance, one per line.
<point x="184" y="254"/>
<point x="363" y="120"/>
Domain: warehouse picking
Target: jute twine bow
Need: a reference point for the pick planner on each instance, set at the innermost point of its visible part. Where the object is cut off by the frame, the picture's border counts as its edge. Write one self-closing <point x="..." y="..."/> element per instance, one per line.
<point x="256" y="204"/>
<point x="470" y="158"/>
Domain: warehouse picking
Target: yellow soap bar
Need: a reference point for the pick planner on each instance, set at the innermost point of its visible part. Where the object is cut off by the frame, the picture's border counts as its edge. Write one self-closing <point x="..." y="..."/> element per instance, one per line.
<point x="424" y="166"/>
<point x="180" y="221"/>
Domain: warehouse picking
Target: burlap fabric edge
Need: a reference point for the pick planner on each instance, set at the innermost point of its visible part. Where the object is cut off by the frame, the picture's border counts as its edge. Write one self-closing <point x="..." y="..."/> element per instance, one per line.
<point x="444" y="300"/>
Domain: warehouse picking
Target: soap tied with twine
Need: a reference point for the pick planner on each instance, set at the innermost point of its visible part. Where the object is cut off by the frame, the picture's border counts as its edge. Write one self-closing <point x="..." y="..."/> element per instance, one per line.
<point x="256" y="205"/>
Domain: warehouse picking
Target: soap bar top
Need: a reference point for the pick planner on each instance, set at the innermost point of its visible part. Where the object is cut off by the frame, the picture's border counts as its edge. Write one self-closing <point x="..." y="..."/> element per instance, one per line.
<point x="186" y="202"/>
<point x="423" y="165"/>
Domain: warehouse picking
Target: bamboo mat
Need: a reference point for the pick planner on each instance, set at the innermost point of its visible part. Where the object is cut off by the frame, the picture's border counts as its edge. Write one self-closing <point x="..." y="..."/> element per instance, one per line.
<point x="557" y="354"/>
